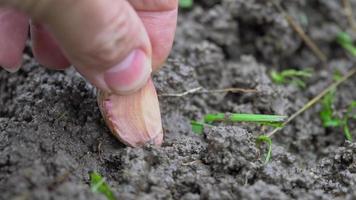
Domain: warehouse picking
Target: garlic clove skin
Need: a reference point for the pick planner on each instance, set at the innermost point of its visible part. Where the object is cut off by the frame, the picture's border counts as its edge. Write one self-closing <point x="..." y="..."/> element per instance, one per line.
<point x="134" y="119"/>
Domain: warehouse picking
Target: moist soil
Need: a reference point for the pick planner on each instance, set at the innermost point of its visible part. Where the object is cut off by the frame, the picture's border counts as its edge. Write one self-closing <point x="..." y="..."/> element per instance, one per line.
<point x="52" y="134"/>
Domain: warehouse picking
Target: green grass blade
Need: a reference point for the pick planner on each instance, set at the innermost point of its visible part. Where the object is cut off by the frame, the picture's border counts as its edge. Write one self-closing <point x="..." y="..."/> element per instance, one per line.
<point x="197" y="127"/>
<point x="291" y="76"/>
<point x="268" y="141"/>
<point x="350" y="48"/>
<point x="257" y="118"/>
<point x="272" y="124"/>
<point x="270" y="120"/>
<point x="347" y="131"/>
<point x="277" y="77"/>
<point x="349" y="116"/>
<point x="327" y="111"/>
<point x="210" y="118"/>
<point x="297" y="73"/>
<point x="345" y="40"/>
<point x="350" y="110"/>
<point x="185" y="3"/>
<point x="351" y="107"/>
<point x="337" y="75"/>
<point x="299" y="82"/>
<point x="98" y="185"/>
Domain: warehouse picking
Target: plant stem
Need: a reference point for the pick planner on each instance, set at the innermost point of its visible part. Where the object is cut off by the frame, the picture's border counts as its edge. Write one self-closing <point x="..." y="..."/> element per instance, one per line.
<point x="221" y="117"/>
<point x="349" y="14"/>
<point x="299" y="30"/>
<point x="314" y="101"/>
<point x="200" y="90"/>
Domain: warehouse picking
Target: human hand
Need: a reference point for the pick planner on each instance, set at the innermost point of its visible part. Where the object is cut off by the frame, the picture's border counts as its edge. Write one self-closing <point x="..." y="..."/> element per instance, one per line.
<point x="114" y="44"/>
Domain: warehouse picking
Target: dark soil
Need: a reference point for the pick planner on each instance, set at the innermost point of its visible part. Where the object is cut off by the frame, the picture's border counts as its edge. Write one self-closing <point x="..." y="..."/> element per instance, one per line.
<point x="52" y="134"/>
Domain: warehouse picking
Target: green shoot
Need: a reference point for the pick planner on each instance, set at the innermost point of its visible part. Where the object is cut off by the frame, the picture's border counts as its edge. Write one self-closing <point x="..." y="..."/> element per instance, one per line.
<point x="268" y="120"/>
<point x="256" y="118"/>
<point x="345" y="40"/>
<point x="337" y="75"/>
<point x="327" y="115"/>
<point x="268" y="141"/>
<point x="296" y="77"/>
<point x="349" y="115"/>
<point x="351" y="107"/>
<point x="272" y="124"/>
<point x="327" y="111"/>
<point x="185" y="4"/>
<point x="197" y="127"/>
<point x="347" y="131"/>
<point x="98" y="185"/>
<point x="315" y="100"/>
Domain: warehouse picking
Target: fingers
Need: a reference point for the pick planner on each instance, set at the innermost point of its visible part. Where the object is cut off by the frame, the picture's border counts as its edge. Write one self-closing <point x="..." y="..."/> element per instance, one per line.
<point x="159" y="18"/>
<point x="13" y="35"/>
<point x="45" y="48"/>
<point x="105" y="40"/>
<point x="108" y="42"/>
<point x="154" y="5"/>
<point x="160" y="27"/>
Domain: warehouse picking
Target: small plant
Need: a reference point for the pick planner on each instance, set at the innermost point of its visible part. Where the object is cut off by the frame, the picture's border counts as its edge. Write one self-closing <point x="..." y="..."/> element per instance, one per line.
<point x="345" y="40"/>
<point x="98" y="185"/>
<point x="269" y="120"/>
<point x="296" y="77"/>
<point x="185" y="4"/>
<point x="328" y="118"/>
<point x="264" y="138"/>
<point x="337" y="75"/>
<point x="327" y="111"/>
<point x="197" y="127"/>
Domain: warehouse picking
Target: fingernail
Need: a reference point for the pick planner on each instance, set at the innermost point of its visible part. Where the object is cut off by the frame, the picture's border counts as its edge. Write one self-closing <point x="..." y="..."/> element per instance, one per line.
<point x="129" y="75"/>
<point x="13" y="69"/>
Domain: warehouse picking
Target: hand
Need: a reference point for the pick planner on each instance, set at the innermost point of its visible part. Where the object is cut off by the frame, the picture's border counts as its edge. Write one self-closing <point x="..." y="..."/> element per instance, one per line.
<point x="113" y="43"/>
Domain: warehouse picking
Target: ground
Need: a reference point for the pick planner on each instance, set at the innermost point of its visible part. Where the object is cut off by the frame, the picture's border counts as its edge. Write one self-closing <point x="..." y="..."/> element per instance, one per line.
<point x="52" y="134"/>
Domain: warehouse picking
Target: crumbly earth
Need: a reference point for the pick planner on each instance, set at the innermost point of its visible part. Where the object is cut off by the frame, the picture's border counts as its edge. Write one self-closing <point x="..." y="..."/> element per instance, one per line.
<point x="52" y="134"/>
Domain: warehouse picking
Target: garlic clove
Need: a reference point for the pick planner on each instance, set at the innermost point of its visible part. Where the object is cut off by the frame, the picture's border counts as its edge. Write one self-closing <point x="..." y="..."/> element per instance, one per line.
<point x="134" y="119"/>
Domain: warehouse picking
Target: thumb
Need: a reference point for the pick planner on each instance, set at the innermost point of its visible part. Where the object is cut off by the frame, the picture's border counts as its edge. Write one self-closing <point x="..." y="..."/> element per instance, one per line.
<point x="105" y="40"/>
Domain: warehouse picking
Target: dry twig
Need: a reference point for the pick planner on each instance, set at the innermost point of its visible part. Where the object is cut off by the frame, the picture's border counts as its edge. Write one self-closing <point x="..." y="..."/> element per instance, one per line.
<point x="299" y="30"/>
<point x="314" y="101"/>
<point x="349" y="14"/>
<point x="200" y="90"/>
<point x="191" y="91"/>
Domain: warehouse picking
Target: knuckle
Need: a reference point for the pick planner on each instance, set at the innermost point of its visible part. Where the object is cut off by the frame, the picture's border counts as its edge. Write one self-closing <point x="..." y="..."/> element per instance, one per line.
<point x="106" y="47"/>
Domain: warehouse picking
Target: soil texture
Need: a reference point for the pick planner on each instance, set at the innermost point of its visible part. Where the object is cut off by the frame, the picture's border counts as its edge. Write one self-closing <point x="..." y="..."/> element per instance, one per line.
<point x="52" y="134"/>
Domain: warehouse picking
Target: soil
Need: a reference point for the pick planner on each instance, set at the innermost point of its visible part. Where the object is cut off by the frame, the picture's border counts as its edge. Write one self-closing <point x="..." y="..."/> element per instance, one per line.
<point x="52" y="134"/>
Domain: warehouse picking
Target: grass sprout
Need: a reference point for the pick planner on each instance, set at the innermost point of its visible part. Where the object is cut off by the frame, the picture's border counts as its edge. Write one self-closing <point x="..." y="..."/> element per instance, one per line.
<point x="327" y="111"/>
<point x="186" y="4"/>
<point x="345" y="40"/>
<point x="296" y="77"/>
<point x="98" y="185"/>
<point x="268" y="120"/>
<point x="197" y="127"/>
<point x="337" y="75"/>
<point x="272" y="120"/>
<point x="349" y="116"/>
<point x="265" y="139"/>
<point x="329" y="120"/>
<point x="315" y="100"/>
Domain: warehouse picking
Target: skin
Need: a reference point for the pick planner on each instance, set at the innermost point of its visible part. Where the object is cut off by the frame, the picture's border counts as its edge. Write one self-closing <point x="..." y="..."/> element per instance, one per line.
<point x="114" y="44"/>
